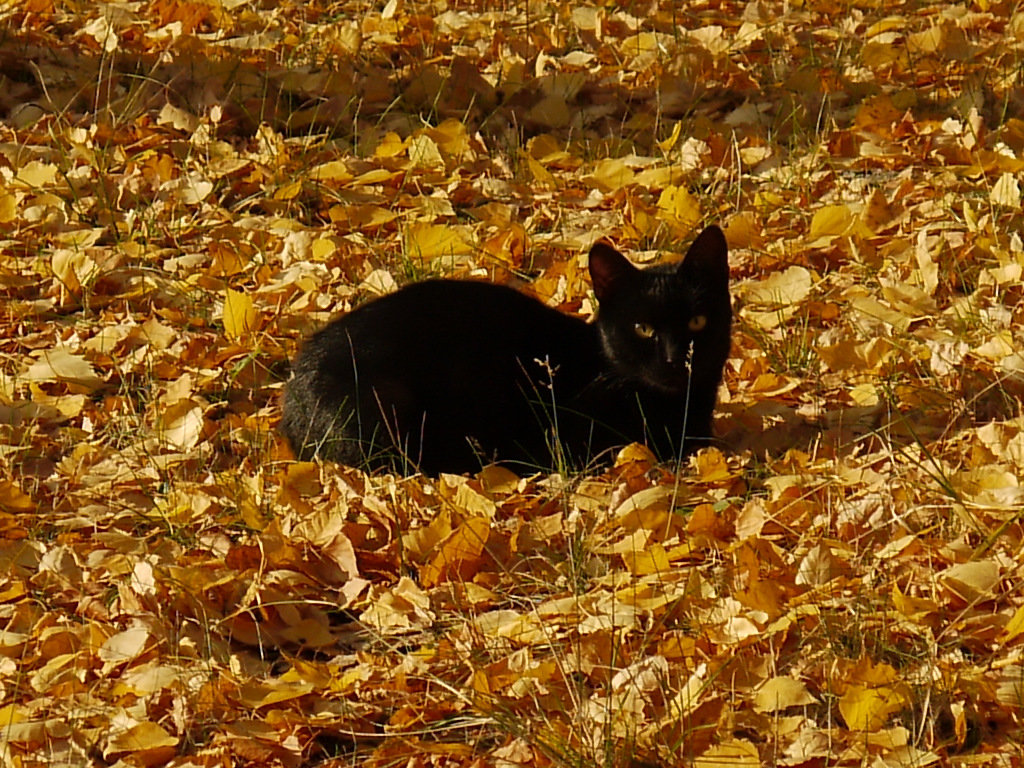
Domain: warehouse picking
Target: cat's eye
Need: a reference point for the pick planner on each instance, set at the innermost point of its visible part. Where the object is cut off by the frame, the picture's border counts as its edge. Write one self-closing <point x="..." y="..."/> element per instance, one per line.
<point x="644" y="330"/>
<point x="698" y="322"/>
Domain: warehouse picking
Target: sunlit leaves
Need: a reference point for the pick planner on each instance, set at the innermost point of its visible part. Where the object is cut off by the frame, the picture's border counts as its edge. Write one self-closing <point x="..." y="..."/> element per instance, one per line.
<point x="833" y="580"/>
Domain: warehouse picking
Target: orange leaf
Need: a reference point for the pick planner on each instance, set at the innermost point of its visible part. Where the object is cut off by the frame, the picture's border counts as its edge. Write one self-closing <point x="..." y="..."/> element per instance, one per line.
<point x="459" y="556"/>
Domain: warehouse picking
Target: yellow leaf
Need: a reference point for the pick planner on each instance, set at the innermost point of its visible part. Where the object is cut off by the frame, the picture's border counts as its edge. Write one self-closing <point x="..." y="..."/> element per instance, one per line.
<point x="467" y="499"/>
<point x="868" y="709"/>
<point x="864" y="394"/>
<point x="780" y="693"/>
<point x="376" y="176"/>
<point x="182" y="424"/>
<point x="147" y="678"/>
<point x="452" y="138"/>
<point x="140" y="738"/>
<point x="635" y="452"/>
<point x="611" y="174"/>
<point x="677" y="206"/>
<point x="13" y="499"/>
<point x="731" y="753"/>
<point x="549" y="150"/>
<point x="587" y="17"/>
<point x="1006" y="191"/>
<point x="926" y="265"/>
<point x="520" y="628"/>
<point x="361" y="217"/>
<point x="35" y="174"/>
<point x="431" y="241"/>
<point x="659" y="177"/>
<point x="875" y="309"/>
<point x="819" y="566"/>
<point x="391" y="145"/>
<point x="193" y="188"/>
<point x="647" y="561"/>
<point x="1015" y="626"/>
<point x="288" y="191"/>
<point x="239" y="314"/>
<point x="831" y="221"/>
<point x="102" y="30"/>
<point x="179" y="119"/>
<point x="972" y="581"/>
<point x="423" y="153"/>
<point x="323" y="247"/>
<point x="259" y="694"/>
<point x="8" y="207"/>
<point x="887" y="24"/>
<point x="914" y="608"/>
<point x="60" y="365"/>
<point x="418" y="542"/>
<point x="12" y="713"/>
<point x="869" y="355"/>
<point x="124" y="646"/>
<point x="928" y="41"/>
<point x="788" y="287"/>
<point x="73" y="268"/>
<point x="497" y="480"/>
<point x="667" y="144"/>
<point x="508" y="244"/>
<point x="333" y="170"/>
<point x="712" y="466"/>
<point x="541" y="175"/>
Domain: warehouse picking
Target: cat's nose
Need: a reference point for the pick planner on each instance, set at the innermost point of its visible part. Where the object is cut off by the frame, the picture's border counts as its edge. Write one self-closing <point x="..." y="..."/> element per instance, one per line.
<point x="669" y="352"/>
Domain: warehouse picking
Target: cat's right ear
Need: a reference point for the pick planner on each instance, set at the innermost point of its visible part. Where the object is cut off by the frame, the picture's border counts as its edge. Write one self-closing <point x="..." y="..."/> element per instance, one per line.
<point x="608" y="270"/>
<point x="708" y="257"/>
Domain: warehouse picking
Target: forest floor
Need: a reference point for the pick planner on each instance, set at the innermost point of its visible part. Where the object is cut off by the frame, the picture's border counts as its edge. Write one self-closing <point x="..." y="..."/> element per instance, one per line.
<point x="187" y="188"/>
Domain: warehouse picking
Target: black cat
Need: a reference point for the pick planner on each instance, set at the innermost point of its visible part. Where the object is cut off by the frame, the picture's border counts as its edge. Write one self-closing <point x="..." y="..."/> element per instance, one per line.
<point x="447" y="375"/>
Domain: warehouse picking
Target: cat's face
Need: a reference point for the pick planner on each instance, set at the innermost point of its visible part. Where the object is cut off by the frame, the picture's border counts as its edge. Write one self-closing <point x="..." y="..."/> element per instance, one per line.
<point x="659" y="324"/>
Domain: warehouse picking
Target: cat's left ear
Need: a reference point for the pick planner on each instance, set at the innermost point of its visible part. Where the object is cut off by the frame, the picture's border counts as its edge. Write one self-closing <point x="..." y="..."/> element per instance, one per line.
<point x="708" y="258"/>
<point x="608" y="270"/>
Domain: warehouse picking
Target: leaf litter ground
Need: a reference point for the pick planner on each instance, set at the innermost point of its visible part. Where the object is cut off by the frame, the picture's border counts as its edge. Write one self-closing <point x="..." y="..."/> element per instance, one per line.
<point x="186" y="189"/>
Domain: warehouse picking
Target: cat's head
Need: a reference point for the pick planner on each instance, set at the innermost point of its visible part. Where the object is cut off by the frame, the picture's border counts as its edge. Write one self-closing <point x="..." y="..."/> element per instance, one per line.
<point x="649" y="318"/>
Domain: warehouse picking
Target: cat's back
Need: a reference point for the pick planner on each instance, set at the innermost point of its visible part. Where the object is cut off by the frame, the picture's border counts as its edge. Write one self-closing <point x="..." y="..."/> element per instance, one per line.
<point x="443" y="312"/>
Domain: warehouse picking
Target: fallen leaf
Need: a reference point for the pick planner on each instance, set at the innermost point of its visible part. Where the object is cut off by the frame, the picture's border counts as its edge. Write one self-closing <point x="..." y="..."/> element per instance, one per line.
<point x="239" y="314"/>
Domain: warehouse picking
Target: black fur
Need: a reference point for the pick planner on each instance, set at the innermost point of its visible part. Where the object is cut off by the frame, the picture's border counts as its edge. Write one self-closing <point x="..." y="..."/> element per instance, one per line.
<point x="447" y="375"/>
